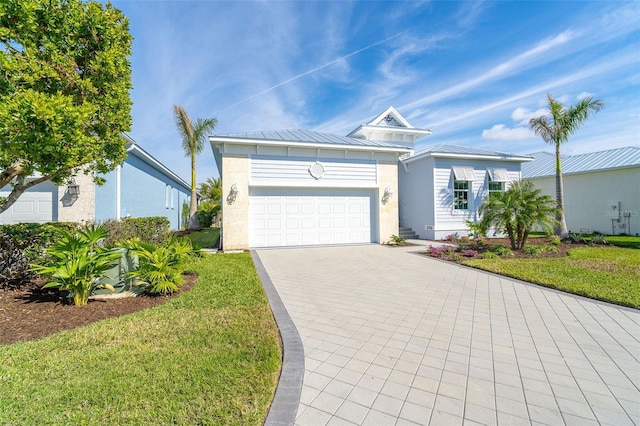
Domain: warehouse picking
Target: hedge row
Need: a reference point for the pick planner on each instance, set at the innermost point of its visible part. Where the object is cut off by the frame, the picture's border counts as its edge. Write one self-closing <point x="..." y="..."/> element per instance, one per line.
<point x="24" y="243"/>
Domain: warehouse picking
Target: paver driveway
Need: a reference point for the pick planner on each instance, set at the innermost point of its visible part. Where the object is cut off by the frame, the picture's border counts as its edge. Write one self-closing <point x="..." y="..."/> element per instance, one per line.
<point x="391" y="337"/>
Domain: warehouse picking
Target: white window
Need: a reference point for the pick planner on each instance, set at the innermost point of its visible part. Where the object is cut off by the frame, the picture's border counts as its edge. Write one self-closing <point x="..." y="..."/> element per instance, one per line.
<point x="497" y="179"/>
<point x="461" y="195"/>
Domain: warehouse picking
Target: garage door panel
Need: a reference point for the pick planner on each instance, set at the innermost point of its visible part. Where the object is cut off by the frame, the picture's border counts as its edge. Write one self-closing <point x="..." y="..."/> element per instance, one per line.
<point x="288" y="217"/>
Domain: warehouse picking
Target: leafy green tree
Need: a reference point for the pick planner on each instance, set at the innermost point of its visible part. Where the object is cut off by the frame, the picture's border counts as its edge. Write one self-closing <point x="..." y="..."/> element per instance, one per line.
<point x="193" y="137"/>
<point x="516" y="211"/>
<point x="64" y="91"/>
<point x="210" y="201"/>
<point x="555" y="128"/>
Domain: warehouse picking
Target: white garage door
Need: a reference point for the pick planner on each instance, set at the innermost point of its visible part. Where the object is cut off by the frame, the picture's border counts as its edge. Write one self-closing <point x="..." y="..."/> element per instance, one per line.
<point x="300" y="217"/>
<point x="30" y="207"/>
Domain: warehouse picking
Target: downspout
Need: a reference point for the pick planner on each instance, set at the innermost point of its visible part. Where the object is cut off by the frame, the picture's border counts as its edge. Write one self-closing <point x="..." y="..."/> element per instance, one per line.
<point x="118" y="168"/>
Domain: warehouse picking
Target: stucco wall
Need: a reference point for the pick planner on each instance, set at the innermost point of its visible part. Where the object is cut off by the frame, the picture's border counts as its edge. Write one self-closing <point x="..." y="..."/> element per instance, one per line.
<point x="81" y="208"/>
<point x="589" y="198"/>
<point x="235" y="213"/>
<point x="387" y="212"/>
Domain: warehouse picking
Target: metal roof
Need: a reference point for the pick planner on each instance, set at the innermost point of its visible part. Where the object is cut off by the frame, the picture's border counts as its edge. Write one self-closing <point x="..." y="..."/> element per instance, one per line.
<point x="307" y="136"/>
<point x="544" y="164"/>
<point x="465" y="151"/>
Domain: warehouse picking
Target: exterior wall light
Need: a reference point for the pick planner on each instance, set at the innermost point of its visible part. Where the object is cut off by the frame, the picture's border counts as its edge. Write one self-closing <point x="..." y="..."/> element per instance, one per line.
<point x="73" y="189"/>
<point x="386" y="196"/>
<point x="233" y="193"/>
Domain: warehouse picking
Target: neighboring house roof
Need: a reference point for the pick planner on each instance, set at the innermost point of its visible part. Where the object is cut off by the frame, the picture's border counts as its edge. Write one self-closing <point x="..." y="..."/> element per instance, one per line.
<point x="457" y="151"/>
<point x="134" y="149"/>
<point x="304" y="137"/>
<point x="544" y="164"/>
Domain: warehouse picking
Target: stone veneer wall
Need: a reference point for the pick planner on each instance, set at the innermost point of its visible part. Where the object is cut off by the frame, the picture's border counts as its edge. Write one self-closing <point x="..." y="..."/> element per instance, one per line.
<point x="388" y="213"/>
<point x="235" y="216"/>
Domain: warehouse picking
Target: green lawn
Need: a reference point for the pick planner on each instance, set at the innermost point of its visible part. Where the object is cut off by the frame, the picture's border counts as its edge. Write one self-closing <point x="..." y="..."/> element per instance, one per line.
<point x="605" y="273"/>
<point x="205" y="238"/>
<point x="210" y="356"/>
<point x="624" y="240"/>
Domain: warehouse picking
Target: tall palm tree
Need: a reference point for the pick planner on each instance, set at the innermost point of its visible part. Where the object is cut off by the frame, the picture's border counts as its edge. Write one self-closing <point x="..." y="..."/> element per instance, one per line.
<point x="211" y="190"/>
<point x="193" y="137"/>
<point x="555" y="128"/>
<point x="516" y="211"/>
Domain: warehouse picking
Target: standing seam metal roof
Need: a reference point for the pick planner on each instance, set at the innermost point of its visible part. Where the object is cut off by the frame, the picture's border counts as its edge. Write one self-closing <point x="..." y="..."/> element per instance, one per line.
<point x="308" y="136"/>
<point x="545" y="163"/>
<point x="463" y="150"/>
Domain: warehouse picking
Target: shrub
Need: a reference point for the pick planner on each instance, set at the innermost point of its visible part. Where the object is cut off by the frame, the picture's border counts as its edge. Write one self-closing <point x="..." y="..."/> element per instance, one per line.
<point x="150" y="230"/>
<point x="532" y="250"/>
<point x="469" y="253"/>
<point x="79" y="261"/>
<point x="22" y="244"/>
<point x="441" y="252"/>
<point x="501" y="250"/>
<point x="598" y="239"/>
<point x="551" y="249"/>
<point x="160" y="267"/>
<point x="397" y="239"/>
<point x="555" y="240"/>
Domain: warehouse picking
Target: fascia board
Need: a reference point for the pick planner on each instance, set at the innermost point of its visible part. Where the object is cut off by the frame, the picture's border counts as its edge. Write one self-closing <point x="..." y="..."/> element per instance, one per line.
<point x="241" y="141"/>
<point x="145" y="156"/>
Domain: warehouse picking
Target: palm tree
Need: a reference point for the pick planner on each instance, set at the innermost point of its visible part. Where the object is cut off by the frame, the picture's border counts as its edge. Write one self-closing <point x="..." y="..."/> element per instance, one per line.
<point x="516" y="211"/>
<point x="193" y="137"/>
<point x="555" y="128"/>
<point x="211" y="190"/>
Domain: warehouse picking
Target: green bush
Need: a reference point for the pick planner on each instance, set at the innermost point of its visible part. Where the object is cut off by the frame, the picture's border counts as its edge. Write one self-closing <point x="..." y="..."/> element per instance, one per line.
<point x="555" y="240"/>
<point x="489" y="255"/>
<point x="397" y="239"/>
<point x="160" y="267"/>
<point x="532" y="250"/>
<point x="22" y="244"/>
<point x="79" y="261"/>
<point x="551" y="249"/>
<point x="501" y="250"/>
<point x="150" y="230"/>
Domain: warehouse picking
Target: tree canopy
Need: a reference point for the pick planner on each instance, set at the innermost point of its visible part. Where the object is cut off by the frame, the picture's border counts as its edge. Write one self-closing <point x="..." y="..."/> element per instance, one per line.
<point x="65" y="78"/>
<point x="193" y="137"/>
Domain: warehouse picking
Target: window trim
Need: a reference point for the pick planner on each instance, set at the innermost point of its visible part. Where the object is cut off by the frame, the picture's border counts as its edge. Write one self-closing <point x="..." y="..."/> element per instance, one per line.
<point x="464" y="191"/>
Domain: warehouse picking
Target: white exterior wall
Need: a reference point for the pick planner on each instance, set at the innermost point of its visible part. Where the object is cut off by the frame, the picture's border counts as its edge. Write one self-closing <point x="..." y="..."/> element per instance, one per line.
<point x="589" y="198"/>
<point x="426" y="194"/>
<point x="416" y="185"/>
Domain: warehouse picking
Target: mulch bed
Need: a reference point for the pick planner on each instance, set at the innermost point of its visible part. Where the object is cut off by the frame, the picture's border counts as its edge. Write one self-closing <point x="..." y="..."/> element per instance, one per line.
<point x="31" y="313"/>
<point x="563" y="248"/>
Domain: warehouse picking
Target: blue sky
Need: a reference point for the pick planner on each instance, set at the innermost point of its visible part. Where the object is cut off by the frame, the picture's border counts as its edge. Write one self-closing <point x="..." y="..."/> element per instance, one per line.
<point x="473" y="72"/>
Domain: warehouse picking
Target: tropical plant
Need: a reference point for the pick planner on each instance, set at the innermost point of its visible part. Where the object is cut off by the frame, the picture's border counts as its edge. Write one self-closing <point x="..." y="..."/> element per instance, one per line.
<point x="193" y="138"/>
<point x="555" y="128"/>
<point x="160" y="267"/>
<point x="210" y="201"/>
<point x="64" y="91"/>
<point x="78" y="262"/>
<point x="517" y="210"/>
<point x="397" y="239"/>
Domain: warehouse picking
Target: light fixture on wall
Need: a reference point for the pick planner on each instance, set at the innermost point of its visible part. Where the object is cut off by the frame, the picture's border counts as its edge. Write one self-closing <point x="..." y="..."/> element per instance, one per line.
<point x="73" y="189"/>
<point x="233" y="193"/>
<point x="386" y="196"/>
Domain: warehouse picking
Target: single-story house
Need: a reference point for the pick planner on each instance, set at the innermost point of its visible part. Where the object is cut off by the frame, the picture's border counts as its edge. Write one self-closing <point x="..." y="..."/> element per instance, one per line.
<point x="141" y="186"/>
<point x="601" y="189"/>
<point x="443" y="186"/>
<point x="301" y="187"/>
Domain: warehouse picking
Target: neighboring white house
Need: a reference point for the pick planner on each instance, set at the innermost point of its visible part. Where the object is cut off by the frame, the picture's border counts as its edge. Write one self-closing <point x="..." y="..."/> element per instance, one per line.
<point x="299" y="187"/>
<point x="141" y="186"/>
<point x="444" y="185"/>
<point x="601" y="189"/>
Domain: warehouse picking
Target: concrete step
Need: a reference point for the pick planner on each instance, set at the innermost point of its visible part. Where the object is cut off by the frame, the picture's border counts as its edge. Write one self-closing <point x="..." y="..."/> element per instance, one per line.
<point x="407" y="233"/>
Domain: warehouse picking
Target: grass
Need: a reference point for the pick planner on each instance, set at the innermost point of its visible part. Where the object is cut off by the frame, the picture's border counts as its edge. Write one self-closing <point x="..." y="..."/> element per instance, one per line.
<point x="624" y="240"/>
<point x="611" y="274"/>
<point x="205" y="238"/>
<point x="209" y="356"/>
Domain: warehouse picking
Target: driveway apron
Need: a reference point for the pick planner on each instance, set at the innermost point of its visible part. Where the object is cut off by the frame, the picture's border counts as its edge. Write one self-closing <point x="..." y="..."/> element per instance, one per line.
<point x="391" y="337"/>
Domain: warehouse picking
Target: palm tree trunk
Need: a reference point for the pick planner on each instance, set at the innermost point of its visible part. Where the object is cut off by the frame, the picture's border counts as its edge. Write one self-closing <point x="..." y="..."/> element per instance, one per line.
<point x="194" y="224"/>
<point x="561" y="228"/>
